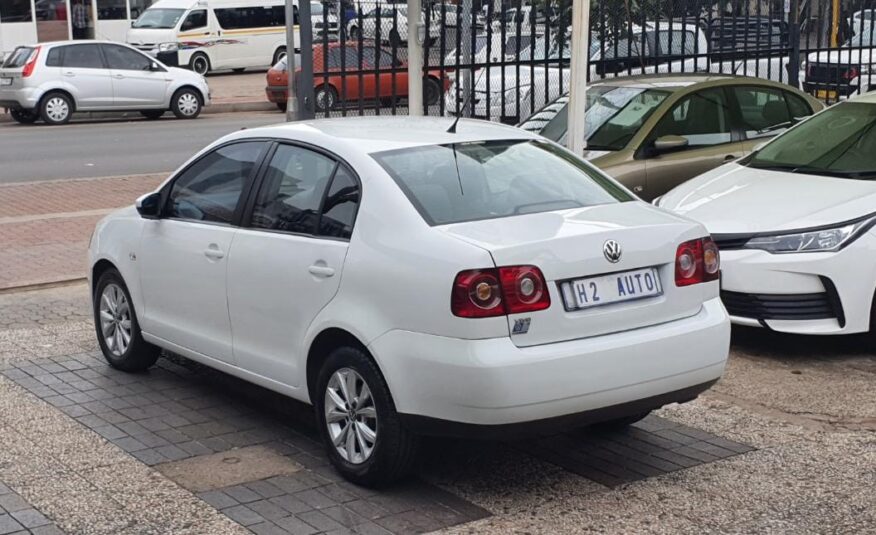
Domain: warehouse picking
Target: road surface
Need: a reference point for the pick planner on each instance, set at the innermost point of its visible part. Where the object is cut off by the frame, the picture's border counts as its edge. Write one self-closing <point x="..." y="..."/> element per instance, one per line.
<point x="112" y="148"/>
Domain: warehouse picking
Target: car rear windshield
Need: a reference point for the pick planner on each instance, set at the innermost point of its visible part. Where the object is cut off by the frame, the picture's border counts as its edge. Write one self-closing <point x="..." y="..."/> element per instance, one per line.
<point x="838" y="142"/>
<point x="492" y="179"/>
<point x="18" y="57"/>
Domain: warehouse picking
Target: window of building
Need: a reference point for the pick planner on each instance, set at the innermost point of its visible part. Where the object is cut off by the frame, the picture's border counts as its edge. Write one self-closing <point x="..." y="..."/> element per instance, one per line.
<point x="112" y="9"/>
<point x="15" y="11"/>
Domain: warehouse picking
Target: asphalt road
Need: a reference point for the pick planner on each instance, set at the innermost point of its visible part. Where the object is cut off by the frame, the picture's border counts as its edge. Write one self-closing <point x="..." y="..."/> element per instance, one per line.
<point x="85" y="149"/>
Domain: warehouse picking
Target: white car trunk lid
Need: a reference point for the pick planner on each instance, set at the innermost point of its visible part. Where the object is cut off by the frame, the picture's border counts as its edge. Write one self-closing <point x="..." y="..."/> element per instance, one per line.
<point x="569" y="244"/>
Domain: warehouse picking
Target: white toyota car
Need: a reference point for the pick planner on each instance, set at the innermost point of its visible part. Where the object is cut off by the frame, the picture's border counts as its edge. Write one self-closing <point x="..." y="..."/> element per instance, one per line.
<point x="794" y="223"/>
<point x="408" y="280"/>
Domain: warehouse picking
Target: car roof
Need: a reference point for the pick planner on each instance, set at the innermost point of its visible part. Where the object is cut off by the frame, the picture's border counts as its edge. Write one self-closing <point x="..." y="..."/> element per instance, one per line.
<point x="369" y="135"/>
<point x="674" y="82"/>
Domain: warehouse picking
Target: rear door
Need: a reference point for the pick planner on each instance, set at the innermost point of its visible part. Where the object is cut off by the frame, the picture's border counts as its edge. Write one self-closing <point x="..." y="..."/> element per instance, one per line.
<point x="135" y="84"/>
<point x="285" y="265"/>
<point x="86" y="75"/>
<point x="705" y="119"/>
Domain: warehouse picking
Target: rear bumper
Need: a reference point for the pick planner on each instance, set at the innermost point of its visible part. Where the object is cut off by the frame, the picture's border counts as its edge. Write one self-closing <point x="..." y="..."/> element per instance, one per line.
<point x="492" y="382"/>
<point x="25" y="98"/>
<point x="276" y="94"/>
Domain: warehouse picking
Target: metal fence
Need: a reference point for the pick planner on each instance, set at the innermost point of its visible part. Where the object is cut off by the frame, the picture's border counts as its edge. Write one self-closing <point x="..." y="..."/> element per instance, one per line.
<point x="504" y="59"/>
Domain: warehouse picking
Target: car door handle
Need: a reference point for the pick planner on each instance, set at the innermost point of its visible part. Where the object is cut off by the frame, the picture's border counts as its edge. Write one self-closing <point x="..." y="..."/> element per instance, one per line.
<point x="321" y="270"/>
<point x="730" y="157"/>
<point x="118" y="76"/>
<point x="69" y="73"/>
<point x="213" y="252"/>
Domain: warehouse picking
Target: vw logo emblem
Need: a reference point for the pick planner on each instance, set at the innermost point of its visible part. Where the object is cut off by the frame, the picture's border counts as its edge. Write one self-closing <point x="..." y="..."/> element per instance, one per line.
<point x="612" y="251"/>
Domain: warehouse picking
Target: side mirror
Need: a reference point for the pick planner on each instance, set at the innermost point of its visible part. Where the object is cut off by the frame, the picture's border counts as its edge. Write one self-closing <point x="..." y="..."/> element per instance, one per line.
<point x="149" y="206"/>
<point x="669" y="143"/>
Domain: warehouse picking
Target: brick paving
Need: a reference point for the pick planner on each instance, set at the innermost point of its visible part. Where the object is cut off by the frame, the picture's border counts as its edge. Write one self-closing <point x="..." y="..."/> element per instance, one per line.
<point x="18" y="517"/>
<point x="45" y="226"/>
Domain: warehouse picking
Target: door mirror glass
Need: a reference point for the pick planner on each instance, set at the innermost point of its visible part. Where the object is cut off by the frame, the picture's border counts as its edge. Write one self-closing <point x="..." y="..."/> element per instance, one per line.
<point x="149" y="205"/>
<point x="669" y="143"/>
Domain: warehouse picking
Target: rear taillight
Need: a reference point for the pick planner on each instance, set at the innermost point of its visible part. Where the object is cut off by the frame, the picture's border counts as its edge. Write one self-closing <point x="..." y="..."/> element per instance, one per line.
<point x="850" y="73"/>
<point x="485" y="293"/>
<point x="31" y="63"/>
<point x="697" y="261"/>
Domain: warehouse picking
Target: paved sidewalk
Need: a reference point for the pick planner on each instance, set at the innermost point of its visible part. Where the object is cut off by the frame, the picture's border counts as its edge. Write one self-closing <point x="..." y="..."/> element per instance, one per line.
<point x="45" y="226"/>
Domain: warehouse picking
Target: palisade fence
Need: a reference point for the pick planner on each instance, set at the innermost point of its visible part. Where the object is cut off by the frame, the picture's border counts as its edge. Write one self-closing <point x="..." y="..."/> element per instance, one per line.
<point x="504" y="59"/>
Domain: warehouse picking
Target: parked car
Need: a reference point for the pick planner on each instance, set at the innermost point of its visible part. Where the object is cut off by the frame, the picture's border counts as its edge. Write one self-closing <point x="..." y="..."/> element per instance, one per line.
<point x="836" y="74"/>
<point x="408" y="280"/>
<point x="652" y="133"/>
<point x="338" y="78"/>
<point x="669" y="47"/>
<point x="491" y="48"/>
<point x="795" y="224"/>
<point x="52" y="81"/>
<point x="388" y="23"/>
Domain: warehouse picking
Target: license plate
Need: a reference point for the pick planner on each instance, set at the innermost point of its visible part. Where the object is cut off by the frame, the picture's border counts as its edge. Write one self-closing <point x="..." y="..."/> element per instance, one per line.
<point x="613" y="288"/>
<point x="5" y="81"/>
<point x="825" y="93"/>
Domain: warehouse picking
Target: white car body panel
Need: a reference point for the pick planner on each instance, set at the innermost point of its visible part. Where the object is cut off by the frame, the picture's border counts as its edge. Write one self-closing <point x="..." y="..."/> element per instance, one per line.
<point x="391" y="290"/>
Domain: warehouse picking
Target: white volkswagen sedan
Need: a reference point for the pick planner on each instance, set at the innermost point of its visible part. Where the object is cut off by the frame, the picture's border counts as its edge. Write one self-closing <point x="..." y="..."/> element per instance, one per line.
<point x="794" y="223"/>
<point x="411" y="281"/>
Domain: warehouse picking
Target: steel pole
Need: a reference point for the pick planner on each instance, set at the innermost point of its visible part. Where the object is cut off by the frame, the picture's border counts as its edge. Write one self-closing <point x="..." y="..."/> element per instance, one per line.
<point x="464" y="27"/>
<point x="578" y="84"/>
<point x="291" y="98"/>
<point x="416" y="36"/>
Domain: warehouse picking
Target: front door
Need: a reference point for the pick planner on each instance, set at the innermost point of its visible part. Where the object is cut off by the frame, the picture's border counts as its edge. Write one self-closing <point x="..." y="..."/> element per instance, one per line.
<point x="82" y="67"/>
<point x="184" y="255"/>
<point x="704" y="119"/>
<point x="135" y="84"/>
<point x="286" y="267"/>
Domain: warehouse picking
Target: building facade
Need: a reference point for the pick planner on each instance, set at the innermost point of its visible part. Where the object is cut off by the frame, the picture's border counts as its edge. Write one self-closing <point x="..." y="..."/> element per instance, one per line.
<point x="33" y="21"/>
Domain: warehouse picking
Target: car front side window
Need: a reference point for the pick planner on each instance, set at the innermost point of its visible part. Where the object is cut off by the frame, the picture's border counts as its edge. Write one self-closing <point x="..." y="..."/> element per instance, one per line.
<point x="702" y="118"/>
<point x="210" y="189"/>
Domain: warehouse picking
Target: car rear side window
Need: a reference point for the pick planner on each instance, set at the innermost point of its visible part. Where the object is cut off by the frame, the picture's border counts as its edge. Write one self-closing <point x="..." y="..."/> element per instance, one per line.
<point x="55" y="58"/>
<point x="292" y="189"/>
<point x="340" y="206"/>
<point x="493" y="179"/>
<point x="209" y="190"/>
<point x="83" y="56"/>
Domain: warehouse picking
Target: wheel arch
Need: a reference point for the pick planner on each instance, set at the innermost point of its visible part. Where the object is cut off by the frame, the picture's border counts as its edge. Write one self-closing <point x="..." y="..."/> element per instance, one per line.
<point x="188" y="86"/>
<point x="67" y="93"/>
<point x="323" y="344"/>
<point x="98" y="269"/>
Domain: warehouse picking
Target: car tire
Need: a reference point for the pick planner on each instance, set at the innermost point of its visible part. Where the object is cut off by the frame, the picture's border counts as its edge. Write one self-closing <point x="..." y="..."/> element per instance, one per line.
<point x="392" y="447"/>
<point x="282" y="106"/>
<point x="56" y="108"/>
<point x="115" y="320"/>
<point x="24" y="116"/>
<point x="152" y="114"/>
<point x="200" y="63"/>
<point x="279" y="54"/>
<point x="355" y="34"/>
<point x="395" y="39"/>
<point x="431" y="91"/>
<point x="621" y="423"/>
<point x="325" y="97"/>
<point x="186" y="103"/>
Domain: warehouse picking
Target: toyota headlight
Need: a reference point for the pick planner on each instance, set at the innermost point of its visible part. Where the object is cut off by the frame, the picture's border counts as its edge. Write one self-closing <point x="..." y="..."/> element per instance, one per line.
<point x="811" y="241"/>
<point x="168" y="47"/>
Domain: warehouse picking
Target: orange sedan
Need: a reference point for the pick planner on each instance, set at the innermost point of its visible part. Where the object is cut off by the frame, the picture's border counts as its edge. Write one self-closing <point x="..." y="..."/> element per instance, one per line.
<point x="338" y="77"/>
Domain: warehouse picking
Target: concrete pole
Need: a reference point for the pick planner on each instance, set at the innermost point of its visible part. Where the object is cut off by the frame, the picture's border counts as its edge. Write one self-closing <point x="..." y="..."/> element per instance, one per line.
<point x="416" y="36"/>
<point x="291" y="98"/>
<point x="467" y="75"/>
<point x="580" y="67"/>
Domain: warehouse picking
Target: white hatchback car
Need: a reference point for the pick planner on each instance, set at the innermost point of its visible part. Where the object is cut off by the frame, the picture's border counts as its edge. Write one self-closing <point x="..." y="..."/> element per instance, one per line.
<point x="52" y="81"/>
<point x="411" y="281"/>
<point x="794" y="222"/>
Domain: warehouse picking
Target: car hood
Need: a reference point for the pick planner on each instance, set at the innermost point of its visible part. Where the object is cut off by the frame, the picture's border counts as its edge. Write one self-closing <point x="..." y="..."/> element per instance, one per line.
<point x="737" y="199"/>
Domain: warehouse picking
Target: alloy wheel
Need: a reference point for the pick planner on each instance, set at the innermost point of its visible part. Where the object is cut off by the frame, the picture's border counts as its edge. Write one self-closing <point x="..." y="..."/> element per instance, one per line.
<point x="57" y="109"/>
<point x="350" y="416"/>
<point x="115" y="319"/>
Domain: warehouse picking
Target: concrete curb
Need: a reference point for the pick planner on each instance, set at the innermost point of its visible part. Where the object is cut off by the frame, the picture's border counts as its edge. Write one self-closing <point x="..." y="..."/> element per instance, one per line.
<point x="216" y="107"/>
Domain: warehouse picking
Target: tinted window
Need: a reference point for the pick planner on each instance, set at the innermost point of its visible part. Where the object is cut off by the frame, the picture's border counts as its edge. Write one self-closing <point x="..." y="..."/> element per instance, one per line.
<point x="55" y="57"/>
<point x="119" y="57"/>
<point x="15" y="11"/>
<point x="703" y="118"/>
<point x="763" y="111"/>
<point x="83" y="56"/>
<point x="196" y="19"/>
<point x="492" y="179"/>
<point x="251" y="17"/>
<point x="370" y="56"/>
<point x="112" y="9"/>
<point x="340" y="206"/>
<point x="209" y="190"/>
<point x="799" y="108"/>
<point x="292" y="190"/>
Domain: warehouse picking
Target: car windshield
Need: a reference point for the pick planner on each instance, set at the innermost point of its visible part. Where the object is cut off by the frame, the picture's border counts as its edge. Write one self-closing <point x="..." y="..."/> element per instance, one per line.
<point x="839" y="141"/>
<point x="159" y="18"/>
<point x="614" y="115"/>
<point x="491" y="179"/>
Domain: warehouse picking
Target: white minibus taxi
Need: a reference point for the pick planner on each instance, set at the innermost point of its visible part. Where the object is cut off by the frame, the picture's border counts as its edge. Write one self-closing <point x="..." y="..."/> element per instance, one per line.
<point x="212" y="35"/>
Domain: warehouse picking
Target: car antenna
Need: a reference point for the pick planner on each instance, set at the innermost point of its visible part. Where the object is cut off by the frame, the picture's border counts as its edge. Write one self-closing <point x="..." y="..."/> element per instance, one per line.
<point x="452" y="129"/>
